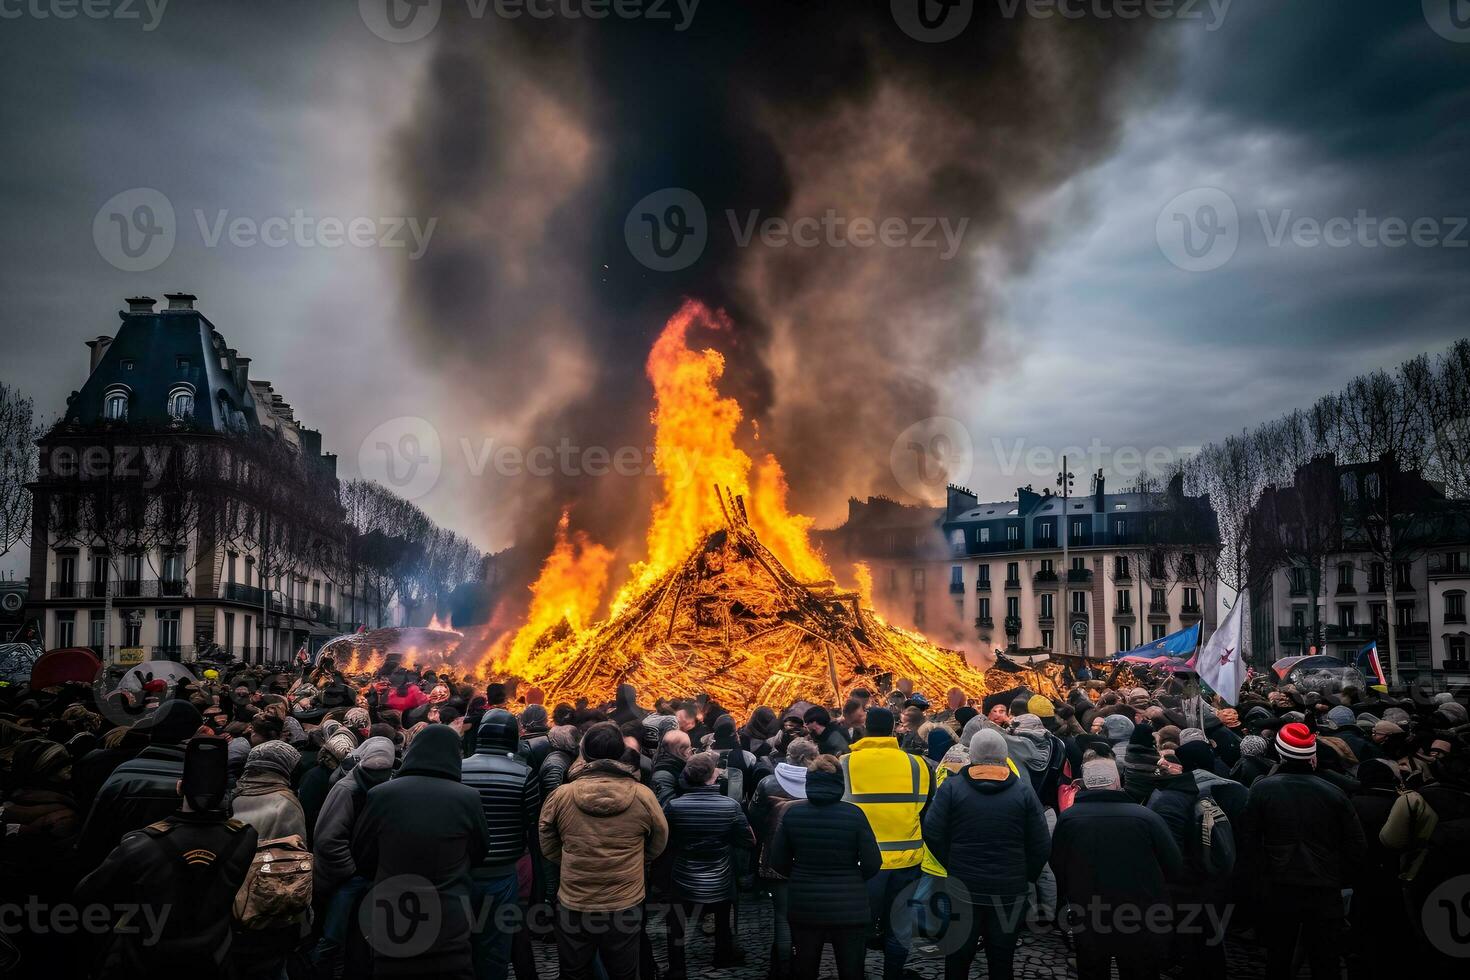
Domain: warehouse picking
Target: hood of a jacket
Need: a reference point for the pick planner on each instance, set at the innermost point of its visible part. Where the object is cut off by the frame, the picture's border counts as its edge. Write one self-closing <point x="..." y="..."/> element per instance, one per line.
<point x="563" y="738"/>
<point x="435" y="751"/>
<point x="821" y="788"/>
<point x="498" y="732"/>
<point x="666" y="761"/>
<point x="875" y="742"/>
<point x="604" y="788"/>
<point x="983" y="778"/>
<point x="1204" y="778"/>
<point x="627" y="696"/>
<point x="1031" y="749"/>
<point x="261" y="783"/>
<point x="793" y="779"/>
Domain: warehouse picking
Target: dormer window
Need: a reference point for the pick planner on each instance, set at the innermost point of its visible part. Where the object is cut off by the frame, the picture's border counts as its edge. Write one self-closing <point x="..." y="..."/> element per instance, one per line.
<point x="181" y="402"/>
<point x="115" y="405"/>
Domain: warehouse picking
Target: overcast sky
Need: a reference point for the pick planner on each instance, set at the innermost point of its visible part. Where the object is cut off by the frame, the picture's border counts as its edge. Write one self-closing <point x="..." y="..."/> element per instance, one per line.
<point x="259" y="110"/>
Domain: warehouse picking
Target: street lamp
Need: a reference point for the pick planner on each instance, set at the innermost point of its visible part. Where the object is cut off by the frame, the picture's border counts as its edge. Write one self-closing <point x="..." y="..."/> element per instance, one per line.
<point x="1064" y="482"/>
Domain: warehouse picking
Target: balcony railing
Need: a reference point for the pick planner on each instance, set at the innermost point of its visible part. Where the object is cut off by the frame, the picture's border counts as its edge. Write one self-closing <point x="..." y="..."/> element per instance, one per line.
<point x="984" y="623"/>
<point x="122" y="589"/>
<point x="1079" y="575"/>
<point x="1045" y="580"/>
<point x="1013" y="583"/>
<point x="955" y="588"/>
<point x="982" y="584"/>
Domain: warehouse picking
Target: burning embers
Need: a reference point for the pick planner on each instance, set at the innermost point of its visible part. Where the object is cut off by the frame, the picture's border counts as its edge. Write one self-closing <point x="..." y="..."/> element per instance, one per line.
<point x="732" y="598"/>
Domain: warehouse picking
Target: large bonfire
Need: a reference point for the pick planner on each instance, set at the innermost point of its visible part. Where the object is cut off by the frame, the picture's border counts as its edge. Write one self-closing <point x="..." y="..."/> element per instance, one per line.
<point x="732" y="598"/>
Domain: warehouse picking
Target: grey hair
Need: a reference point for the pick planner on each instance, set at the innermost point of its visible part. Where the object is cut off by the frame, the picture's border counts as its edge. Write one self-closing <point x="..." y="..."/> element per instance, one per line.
<point x="801" y="751"/>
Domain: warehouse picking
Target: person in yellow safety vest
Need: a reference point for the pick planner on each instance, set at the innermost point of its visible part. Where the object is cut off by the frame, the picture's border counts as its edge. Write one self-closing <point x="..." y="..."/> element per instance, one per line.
<point x="892" y="787"/>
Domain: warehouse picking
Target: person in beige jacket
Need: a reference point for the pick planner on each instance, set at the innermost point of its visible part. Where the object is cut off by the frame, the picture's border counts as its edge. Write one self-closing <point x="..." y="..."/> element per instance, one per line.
<point x="602" y="825"/>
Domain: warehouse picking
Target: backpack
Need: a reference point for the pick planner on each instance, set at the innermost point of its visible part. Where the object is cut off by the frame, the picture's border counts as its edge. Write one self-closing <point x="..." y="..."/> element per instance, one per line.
<point x="277" y="888"/>
<point x="732" y="777"/>
<point x="1213" y="836"/>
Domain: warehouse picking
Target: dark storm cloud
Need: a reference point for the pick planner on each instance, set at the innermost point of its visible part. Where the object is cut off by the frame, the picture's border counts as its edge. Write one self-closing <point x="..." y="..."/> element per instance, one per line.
<point x="535" y="138"/>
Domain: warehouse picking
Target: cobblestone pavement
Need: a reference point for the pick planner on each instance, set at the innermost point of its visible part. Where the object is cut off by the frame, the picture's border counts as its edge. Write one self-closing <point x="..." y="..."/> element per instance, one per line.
<point x="1040" y="956"/>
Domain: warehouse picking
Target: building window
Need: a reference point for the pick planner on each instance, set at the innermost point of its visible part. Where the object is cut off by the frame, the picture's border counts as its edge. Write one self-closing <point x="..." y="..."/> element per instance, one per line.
<point x="66" y="628"/>
<point x="1402" y="579"/>
<point x="1298" y="618"/>
<point x="100" y="565"/>
<point x="1344" y="576"/>
<point x="983" y="535"/>
<point x="1125" y="601"/>
<point x="1191" y="600"/>
<point x="1405" y="613"/>
<point x="1046" y="531"/>
<point x="66" y="574"/>
<point x="1079" y="602"/>
<point x="892" y="580"/>
<point x="1079" y="564"/>
<point x="133" y="629"/>
<point x="1156" y="601"/>
<point x="1013" y="607"/>
<point x="1047" y="612"/>
<point x="1013" y="573"/>
<point x="919" y="613"/>
<point x="96" y="629"/>
<point x="168" y="630"/>
<point x="916" y="579"/>
<point x="1120" y="566"/>
<point x="173" y="574"/>
<point x="1156" y="631"/>
<point x="1048" y="567"/>
<point x="1125" y="638"/>
<point x="229" y="632"/>
<point x="984" y="612"/>
<point x="181" y="403"/>
<point x="1013" y="533"/>
<point x="1457" y="652"/>
<point x="115" y="406"/>
<point x="230" y="568"/>
<point x="1376" y="577"/>
<point x="1047" y="639"/>
<point x="956" y="579"/>
<point x="1078" y="530"/>
<point x="1454" y="607"/>
<point x="1120" y="530"/>
<point x="959" y="609"/>
<point x="1347" y="616"/>
<point x="957" y="541"/>
<point x="1156" y="566"/>
<point x="984" y="576"/>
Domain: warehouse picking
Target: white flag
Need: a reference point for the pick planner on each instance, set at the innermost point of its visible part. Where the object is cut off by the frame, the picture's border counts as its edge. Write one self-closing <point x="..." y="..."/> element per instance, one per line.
<point x="1221" y="663"/>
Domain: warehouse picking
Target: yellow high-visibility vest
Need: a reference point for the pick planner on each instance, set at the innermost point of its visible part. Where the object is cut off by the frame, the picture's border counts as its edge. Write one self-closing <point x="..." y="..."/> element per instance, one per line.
<point x="891" y="787"/>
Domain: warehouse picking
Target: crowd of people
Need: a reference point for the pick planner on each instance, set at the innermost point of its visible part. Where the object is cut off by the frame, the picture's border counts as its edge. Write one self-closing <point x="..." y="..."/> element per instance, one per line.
<point x="235" y="822"/>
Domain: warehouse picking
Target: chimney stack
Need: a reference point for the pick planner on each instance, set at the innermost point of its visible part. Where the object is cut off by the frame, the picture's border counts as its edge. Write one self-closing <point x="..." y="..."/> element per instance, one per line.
<point x="98" y="348"/>
<point x="141" y="304"/>
<point x="242" y="373"/>
<point x="180" y="301"/>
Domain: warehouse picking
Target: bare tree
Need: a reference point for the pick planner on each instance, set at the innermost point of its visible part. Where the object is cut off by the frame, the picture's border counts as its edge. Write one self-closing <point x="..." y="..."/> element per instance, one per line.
<point x="18" y="455"/>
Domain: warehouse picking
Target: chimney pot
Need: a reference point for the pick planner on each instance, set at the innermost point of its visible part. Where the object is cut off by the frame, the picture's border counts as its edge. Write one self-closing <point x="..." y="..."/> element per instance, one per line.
<point x="141" y="304"/>
<point x="180" y="301"/>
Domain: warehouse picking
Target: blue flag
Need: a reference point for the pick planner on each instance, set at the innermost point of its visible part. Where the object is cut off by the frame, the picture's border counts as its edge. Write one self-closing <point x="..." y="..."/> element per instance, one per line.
<point x="1180" y="644"/>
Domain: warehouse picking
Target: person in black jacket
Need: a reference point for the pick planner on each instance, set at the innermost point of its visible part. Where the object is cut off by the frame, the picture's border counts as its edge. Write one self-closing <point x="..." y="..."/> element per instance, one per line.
<point x="143" y="789"/>
<point x="673" y="752"/>
<point x="1109" y="853"/>
<point x="418" y="838"/>
<point x="1378" y="904"/>
<point x="987" y="829"/>
<point x="829" y="737"/>
<point x="1197" y="891"/>
<point x="534" y="743"/>
<point x="826" y="849"/>
<point x="705" y="827"/>
<point x="774" y="795"/>
<point x="510" y="799"/>
<point x="183" y="872"/>
<point x="1302" y="844"/>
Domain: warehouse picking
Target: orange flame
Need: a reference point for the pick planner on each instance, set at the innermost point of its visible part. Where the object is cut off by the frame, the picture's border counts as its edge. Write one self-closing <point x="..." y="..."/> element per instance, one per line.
<point x="864" y="575"/>
<point x="695" y="451"/>
<point x="435" y="623"/>
<point x="568" y="591"/>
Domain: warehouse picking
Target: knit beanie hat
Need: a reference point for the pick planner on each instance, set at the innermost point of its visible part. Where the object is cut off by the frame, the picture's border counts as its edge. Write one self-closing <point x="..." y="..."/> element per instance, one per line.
<point x="880" y="721"/>
<point x="1253" y="745"/>
<point x="1196" y="755"/>
<point x="1340" y="716"/>
<point x="1029" y="723"/>
<point x="1188" y="735"/>
<point x="988" y="748"/>
<point x="1040" y="706"/>
<point x="273" y="756"/>
<point x="962" y="715"/>
<point x="1100" y="774"/>
<point x="535" y="714"/>
<point x="357" y="719"/>
<point x="1396" y="715"/>
<point x="1296" y="741"/>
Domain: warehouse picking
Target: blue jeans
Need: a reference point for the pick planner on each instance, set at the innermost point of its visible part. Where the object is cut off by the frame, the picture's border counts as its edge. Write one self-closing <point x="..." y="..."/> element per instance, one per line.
<point x="491" y="941"/>
<point x="337" y="923"/>
<point x="890" y="901"/>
